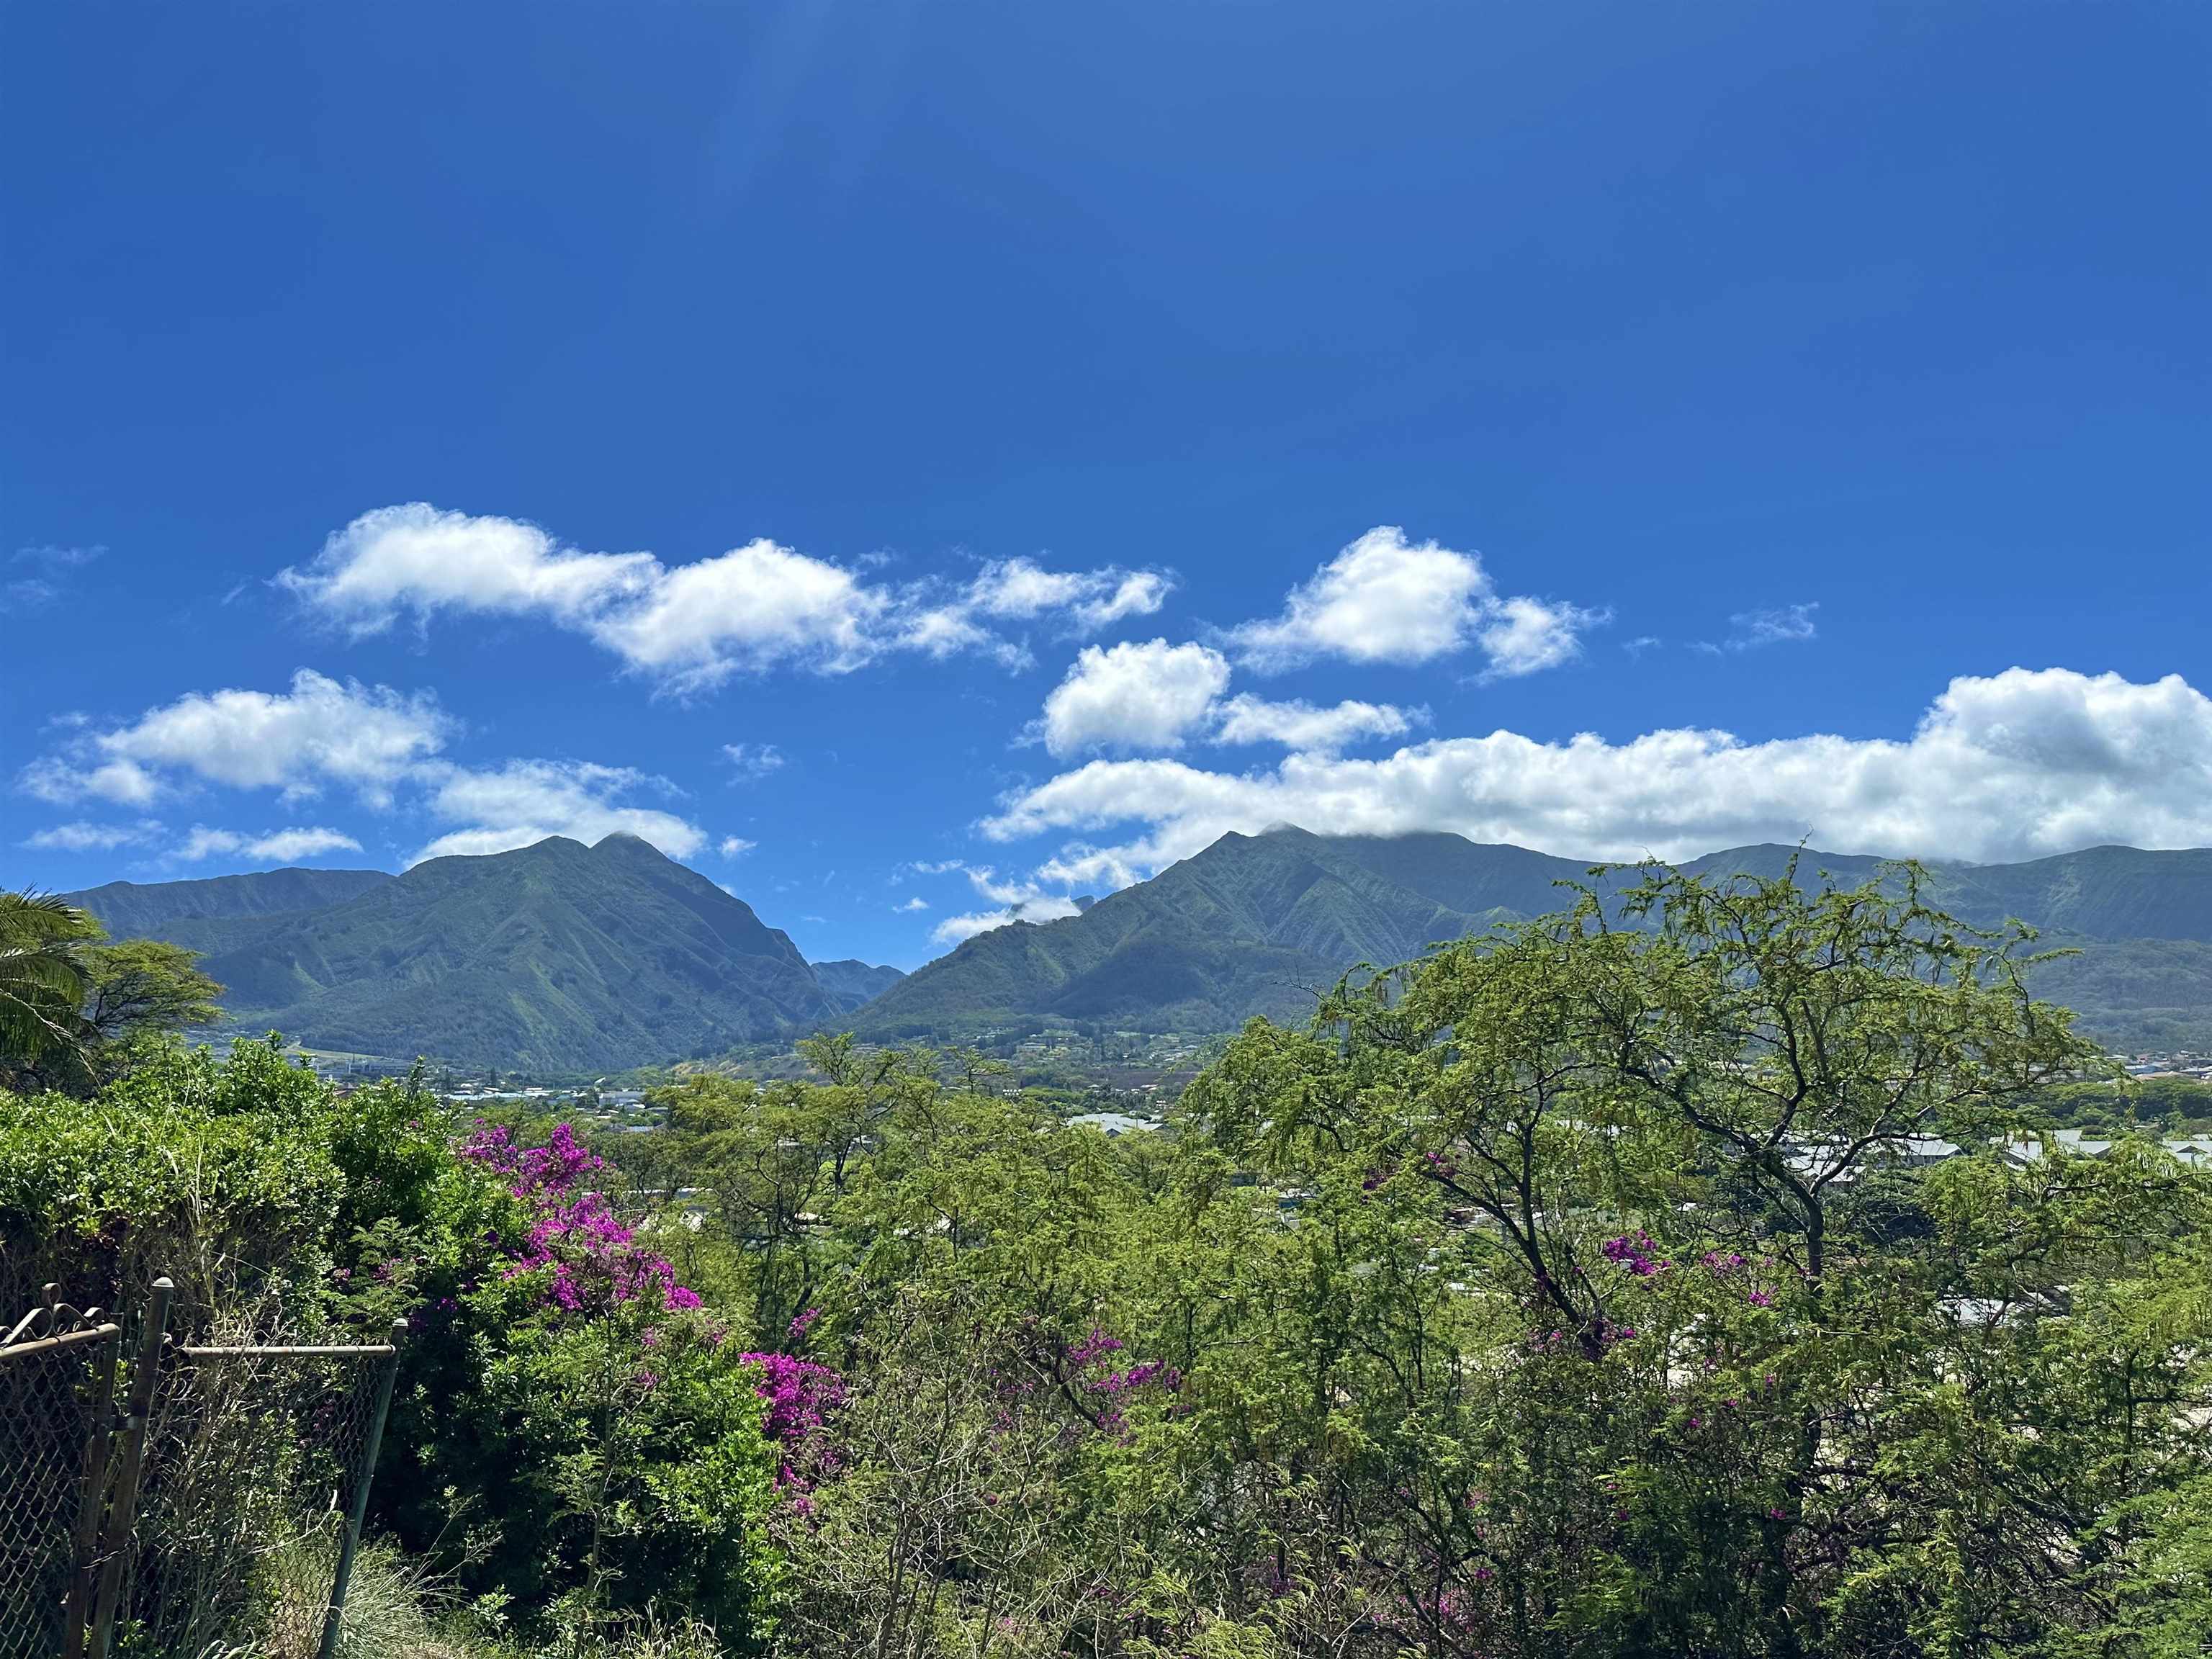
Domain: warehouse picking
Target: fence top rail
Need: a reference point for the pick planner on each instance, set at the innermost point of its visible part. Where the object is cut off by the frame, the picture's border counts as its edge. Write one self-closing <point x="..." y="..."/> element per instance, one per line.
<point x="52" y="1317"/>
<point x="50" y="1344"/>
<point x="365" y="1350"/>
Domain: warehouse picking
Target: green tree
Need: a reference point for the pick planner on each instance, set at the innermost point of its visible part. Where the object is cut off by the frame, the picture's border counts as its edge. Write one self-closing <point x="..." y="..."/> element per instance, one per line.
<point x="1596" y="1328"/>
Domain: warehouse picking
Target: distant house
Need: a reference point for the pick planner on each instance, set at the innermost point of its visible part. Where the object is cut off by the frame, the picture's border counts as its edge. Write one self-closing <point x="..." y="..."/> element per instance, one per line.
<point x="1111" y="1123"/>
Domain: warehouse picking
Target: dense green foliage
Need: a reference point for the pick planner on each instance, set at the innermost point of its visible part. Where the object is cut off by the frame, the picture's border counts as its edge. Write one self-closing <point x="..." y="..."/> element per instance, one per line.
<point x="75" y="1010"/>
<point x="2182" y="1104"/>
<point x="1573" y="1294"/>
<point x="531" y="1449"/>
<point x="558" y="958"/>
<point x="43" y="980"/>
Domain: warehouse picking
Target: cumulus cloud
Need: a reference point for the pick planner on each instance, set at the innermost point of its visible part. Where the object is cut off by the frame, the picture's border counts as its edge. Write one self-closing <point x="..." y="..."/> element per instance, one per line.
<point x="498" y="809"/>
<point x="83" y="837"/>
<point x="1021" y="590"/>
<point x="1148" y="696"/>
<point x="917" y="903"/>
<point x="321" y="732"/>
<point x="688" y="625"/>
<point x="735" y="847"/>
<point x="1154" y="695"/>
<point x="381" y="744"/>
<point x="1010" y="902"/>
<point x="1386" y="599"/>
<point x="280" y="846"/>
<point x="757" y="606"/>
<point x="1524" y="635"/>
<point x="2013" y="765"/>
<point x="1302" y="726"/>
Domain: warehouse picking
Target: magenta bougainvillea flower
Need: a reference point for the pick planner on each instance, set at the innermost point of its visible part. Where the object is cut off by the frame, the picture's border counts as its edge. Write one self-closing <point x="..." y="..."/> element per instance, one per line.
<point x="594" y="1258"/>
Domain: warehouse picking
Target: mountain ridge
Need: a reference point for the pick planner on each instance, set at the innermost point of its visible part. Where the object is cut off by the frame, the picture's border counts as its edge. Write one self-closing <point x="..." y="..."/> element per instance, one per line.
<point x="557" y="956"/>
<point x="1255" y="924"/>
<point x="566" y="958"/>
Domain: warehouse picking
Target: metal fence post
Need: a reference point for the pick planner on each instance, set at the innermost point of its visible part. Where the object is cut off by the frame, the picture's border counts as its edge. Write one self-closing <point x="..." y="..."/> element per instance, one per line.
<point x="122" y="1514"/>
<point x="336" y="1616"/>
<point x="92" y="1496"/>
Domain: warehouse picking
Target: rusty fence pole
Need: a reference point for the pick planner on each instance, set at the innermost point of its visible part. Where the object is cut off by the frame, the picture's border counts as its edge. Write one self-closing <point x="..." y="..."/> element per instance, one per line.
<point x="351" y="1538"/>
<point x="123" y="1510"/>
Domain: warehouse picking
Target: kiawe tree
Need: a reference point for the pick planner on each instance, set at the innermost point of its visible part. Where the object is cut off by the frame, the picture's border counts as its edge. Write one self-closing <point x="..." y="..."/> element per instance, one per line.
<point x="1603" y="1332"/>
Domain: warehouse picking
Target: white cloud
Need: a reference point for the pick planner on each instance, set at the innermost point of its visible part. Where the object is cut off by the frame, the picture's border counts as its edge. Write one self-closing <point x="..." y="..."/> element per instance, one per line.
<point x="279" y="846"/>
<point x="1133" y="695"/>
<point x="735" y="847"/>
<point x="378" y="742"/>
<point x="52" y="557"/>
<point x="1304" y="728"/>
<point x="755" y="607"/>
<point x="60" y="779"/>
<point x="688" y="625"/>
<point x="1523" y="635"/>
<point x="1012" y="902"/>
<point x="1385" y="599"/>
<point x="1022" y="590"/>
<point x="49" y="583"/>
<point x="1139" y="593"/>
<point x="2018" y="764"/>
<point x="750" y="761"/>
<point x="82" y="837"/>
<point x="917" y="903"/>
<point x="415" y="560"/>
<point x="1078" y="867"/>
<point x="322" y="731"/>
<point x="1791" y="624"/>
<point x="27" y="594"/>
<point x="523" y="801"/>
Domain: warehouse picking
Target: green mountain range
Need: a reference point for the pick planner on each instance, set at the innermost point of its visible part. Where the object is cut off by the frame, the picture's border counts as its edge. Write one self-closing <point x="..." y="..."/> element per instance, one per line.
<point x="1259" y="924"/>
<point x="558" y="958"/>
<point x="562" y="957"/>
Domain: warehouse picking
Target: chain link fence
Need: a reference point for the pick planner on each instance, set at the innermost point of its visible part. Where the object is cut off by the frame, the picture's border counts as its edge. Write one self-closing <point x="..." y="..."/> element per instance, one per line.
<point x="258" y="1461"/>
<point x="215" y="1492"/>
<point x="57" y="1376"/>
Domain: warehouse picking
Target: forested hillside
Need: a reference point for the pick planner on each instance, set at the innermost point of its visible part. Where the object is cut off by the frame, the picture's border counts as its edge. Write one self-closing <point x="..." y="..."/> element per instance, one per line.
<point x="1258" y="925"/>
<point x="170" y="910"/>
<point x="557" y="957"/>
<point x="560" y="957"/>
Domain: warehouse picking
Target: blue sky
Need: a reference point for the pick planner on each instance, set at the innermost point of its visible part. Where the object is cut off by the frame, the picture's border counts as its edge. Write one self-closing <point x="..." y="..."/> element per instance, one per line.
<point x="1047" y="437"/>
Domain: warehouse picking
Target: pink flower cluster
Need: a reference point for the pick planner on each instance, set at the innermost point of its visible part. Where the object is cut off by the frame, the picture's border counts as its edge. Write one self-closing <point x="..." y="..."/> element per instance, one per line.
<point x="1116" y="1386"/>
<point x="801" y="1396"/>
<point x="1637" y="1252"/>
<point x="595" y="1259"/>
